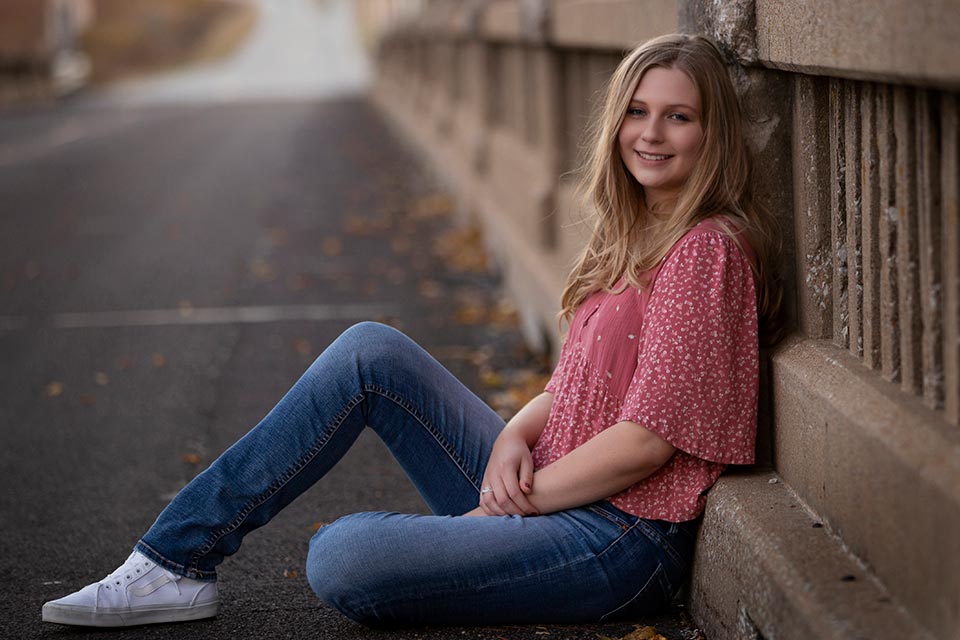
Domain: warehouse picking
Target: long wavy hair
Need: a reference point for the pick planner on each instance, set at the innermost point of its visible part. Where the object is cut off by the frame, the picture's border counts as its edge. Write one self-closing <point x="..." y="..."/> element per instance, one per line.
<point x="628" y="238"/>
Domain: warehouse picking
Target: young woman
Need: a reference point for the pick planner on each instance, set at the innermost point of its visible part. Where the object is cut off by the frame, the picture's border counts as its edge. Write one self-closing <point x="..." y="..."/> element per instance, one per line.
<point x="583" y="507"/>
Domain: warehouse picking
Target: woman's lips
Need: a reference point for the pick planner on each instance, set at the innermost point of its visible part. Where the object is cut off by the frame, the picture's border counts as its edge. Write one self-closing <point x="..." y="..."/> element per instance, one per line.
<point x="653" y="157"/>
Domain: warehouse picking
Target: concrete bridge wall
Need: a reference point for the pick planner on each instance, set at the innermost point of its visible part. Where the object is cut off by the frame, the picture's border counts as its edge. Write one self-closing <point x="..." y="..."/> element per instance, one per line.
<point x="850" y="525"/>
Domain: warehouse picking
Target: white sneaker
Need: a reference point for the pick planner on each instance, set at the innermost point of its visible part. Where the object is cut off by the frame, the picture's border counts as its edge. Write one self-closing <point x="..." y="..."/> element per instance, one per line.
<point x="139" y="592"/>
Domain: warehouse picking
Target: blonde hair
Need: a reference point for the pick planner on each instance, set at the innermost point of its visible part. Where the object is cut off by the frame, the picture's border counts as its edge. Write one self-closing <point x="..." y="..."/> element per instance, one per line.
<point x="627" y="238"/>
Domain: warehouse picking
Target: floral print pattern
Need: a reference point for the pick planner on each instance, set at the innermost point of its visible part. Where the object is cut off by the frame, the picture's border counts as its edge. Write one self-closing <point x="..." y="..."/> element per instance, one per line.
<point x="680" y="358"/>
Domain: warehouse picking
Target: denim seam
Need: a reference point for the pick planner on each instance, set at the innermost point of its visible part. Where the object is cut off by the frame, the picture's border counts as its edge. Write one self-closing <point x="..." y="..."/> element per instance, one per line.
<point x="657" y="538"/>
<point x="603" y="513"/>
<point x="279" y="483"/>
<point x="170" y="565"/>
<point x="653" y="576"/>
<point x="427" y="425"/>
<point x="623" y="534"/>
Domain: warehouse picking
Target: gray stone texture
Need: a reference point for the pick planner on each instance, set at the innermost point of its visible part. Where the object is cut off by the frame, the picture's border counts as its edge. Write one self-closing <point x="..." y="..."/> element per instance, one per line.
<point x="859" y="407"/>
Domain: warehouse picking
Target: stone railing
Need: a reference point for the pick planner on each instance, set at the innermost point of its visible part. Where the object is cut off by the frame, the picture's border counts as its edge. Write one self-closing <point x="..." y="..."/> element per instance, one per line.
<point x="854" y="126"/>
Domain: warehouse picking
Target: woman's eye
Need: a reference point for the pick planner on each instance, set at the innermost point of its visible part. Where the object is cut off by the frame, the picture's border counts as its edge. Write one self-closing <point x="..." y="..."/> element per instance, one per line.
<point x="679" y="116"/>
<point x="636" y="112"/>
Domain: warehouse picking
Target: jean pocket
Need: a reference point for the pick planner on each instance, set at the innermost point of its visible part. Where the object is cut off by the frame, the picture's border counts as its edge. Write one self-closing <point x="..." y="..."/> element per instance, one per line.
<point x="662" y="540"/>
<point x="608" y="513"/>
<point x="653" y="597"/>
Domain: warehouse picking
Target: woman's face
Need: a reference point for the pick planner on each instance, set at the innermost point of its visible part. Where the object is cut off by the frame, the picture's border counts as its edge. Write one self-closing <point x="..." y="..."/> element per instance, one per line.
<point x="661" y="133"/>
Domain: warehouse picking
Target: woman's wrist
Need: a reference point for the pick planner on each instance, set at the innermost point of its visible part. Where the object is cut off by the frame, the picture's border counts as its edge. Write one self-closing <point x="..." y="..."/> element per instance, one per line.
<point x="529" y="422"/>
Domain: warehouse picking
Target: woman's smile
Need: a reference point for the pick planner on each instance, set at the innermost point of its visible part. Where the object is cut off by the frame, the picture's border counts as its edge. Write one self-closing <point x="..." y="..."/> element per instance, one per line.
<point x="661" y="131"/>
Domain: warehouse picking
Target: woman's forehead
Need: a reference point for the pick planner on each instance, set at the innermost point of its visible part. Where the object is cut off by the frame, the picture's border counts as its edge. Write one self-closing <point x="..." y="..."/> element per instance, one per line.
<point x="667" y="86"/>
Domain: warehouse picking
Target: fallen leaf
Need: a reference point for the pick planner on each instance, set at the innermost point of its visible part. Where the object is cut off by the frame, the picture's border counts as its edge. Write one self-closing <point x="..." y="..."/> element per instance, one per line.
<point x="317" y="525"/>
<point x="53" y="389"/>
<point x="490" y="378"/>
<point x="331" y="246"/>
<point x="396" y="275"/>
<point x="262" y="271"/>
<point x="462" y="249"/>
<point x="401" y="244"/>
<point x="101" y="378"/>
<point x="290" y="573"/>
<point x="31" y="270"/>
<point x="432" y="206"/>
<point x="158" y="360"/>
<point x="87" y="400"/>
<point x="299" y="282"/>
<point x="430" y="289"/>
<point x="377" y="266"/>
<point x="356" y="225"/>
<point x="185" y="307"/>
<point x="302" y="346"/>
<point x="123" y="363"/>
<point x="278" y="236"/>
<point x="190" y="458"/>
<point x="643" y="633"/>
<point x="469" y="314"/>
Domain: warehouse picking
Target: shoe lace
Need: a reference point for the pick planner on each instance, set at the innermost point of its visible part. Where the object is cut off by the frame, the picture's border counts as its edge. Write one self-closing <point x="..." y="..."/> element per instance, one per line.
<point x="129" y="571"/>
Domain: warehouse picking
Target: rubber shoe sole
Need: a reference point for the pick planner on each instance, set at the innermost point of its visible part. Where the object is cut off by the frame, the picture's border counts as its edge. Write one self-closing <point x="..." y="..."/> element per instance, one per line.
<point x="84" y="617"/>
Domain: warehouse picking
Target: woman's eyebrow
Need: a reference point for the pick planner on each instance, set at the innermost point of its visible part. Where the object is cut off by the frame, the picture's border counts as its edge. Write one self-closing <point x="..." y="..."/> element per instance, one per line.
<point x="669" y="106"/>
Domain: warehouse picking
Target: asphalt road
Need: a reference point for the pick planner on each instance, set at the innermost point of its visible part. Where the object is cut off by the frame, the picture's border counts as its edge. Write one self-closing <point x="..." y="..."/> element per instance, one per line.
<point x="165" y="275"/>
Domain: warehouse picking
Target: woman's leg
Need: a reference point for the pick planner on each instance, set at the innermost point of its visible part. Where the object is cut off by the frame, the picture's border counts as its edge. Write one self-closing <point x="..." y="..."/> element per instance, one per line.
<point x="438" y="430"/>
<point x="372" y="375"/>
<point x="580" y="565"/>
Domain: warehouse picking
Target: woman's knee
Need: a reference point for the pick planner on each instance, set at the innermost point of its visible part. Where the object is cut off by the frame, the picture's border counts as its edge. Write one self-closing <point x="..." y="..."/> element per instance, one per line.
<point x="374" y="343"/>
<point x="342" y="568"/>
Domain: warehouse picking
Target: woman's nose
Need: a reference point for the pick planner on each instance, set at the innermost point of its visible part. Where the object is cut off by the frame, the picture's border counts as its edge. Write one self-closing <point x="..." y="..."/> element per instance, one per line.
<point x="652" y="132"/>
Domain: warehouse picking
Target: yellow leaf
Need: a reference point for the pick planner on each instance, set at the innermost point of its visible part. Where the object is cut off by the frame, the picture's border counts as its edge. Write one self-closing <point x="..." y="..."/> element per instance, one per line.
<point x="262" y="271"/>
<point x="643" y="633"/>
<point x="101" y="378"/>
<point x="190" y="458"/>
<point x="490" y="378"/>
<point x="469" y="314"/>
<point x="53" y="389"/>
<point x="123" y="363"/>
<point x="158" y="360"/>
<point x="185" y="307"/>
<point x="432" y="206"/>
<point x="290" y="573"/>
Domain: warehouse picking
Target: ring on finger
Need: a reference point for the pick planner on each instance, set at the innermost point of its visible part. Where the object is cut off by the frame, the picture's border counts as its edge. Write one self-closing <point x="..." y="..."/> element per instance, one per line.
<point x="485" y="490"/>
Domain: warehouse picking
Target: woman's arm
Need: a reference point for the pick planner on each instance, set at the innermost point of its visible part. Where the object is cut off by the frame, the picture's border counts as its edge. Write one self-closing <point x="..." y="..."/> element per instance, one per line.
<point x="606" y="464"/>
<point x="509" y="471"/>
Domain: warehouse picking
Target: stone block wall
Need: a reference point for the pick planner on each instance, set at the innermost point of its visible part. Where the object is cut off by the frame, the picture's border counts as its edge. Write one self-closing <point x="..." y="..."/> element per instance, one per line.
<point x="850" y="525"/>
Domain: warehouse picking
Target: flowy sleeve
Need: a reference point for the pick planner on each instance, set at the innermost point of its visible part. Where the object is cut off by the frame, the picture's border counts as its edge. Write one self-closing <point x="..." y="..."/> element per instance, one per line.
<point x="697" y="375"/>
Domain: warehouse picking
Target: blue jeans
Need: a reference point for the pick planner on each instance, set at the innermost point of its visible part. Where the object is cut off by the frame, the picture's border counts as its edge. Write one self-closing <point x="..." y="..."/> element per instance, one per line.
<point x="586" y="564"/>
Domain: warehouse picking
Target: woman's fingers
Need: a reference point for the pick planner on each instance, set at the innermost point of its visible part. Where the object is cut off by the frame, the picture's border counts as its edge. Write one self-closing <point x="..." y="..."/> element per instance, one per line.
<point x="526" y="474"/>
<point x="517" y="498"/>
<point x="506" y="490"/>
<point x="488" y="500"/>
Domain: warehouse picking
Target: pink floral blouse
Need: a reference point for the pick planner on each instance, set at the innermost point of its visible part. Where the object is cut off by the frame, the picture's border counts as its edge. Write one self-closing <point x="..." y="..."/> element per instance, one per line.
<point x="680" y="359"/>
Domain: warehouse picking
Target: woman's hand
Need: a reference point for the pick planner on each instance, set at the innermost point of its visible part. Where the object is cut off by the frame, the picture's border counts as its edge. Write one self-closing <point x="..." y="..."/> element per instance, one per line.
<point x="509" y="475"/>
